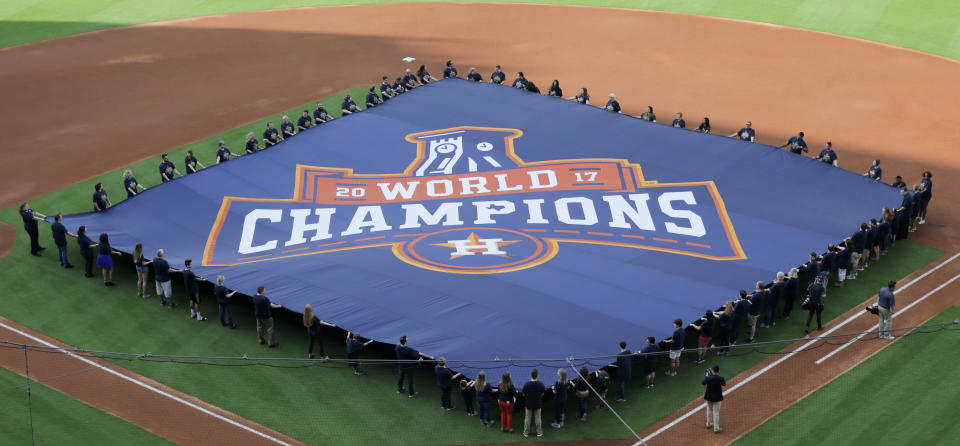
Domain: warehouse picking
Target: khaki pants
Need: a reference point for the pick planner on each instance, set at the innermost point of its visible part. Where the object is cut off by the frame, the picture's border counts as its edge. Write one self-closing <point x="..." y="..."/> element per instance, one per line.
<point x="265" y="325"/>
<point x="528" y="414"/>
<point x="886" y="321"/>
<point x="713" y="415"/>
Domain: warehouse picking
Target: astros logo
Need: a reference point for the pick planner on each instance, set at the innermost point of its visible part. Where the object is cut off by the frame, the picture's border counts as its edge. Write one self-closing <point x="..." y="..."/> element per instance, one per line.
<point x="469" y="204"/>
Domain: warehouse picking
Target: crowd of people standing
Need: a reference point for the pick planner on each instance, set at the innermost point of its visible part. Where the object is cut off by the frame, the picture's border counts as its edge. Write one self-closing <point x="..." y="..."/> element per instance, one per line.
<point x="717" y="329"/>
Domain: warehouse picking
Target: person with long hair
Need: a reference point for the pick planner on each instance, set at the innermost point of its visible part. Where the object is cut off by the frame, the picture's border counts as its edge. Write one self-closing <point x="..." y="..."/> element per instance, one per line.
<point x="559" y="390"/>
<point x="582" y="96"/>
<point x="314" y="324"/>
<point x="704" y="126"/>
<point x="484" y="393"/>
<point x="30" y="218"/>
<point x="348" y="107"/>
<point x="143" y="271"/>
<point x="251" y="144"/>
<point x="581" y="390"/>
<point x="506" y="398"/>
<point x="791" y="288"/>
<point x="706" y="334"/>
<point x="86" y="251"/>
<point x="724" y="321"/>
<point x="130" y="184"/>
<point x="424" y="75"/>
<point x="555" y="89"/>
<point x="105" y="259"/>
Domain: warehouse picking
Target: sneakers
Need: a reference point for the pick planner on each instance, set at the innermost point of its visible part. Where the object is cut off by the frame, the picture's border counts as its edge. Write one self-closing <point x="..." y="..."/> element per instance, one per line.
<point x="700" y="361"/>
<point x="413" y="395"/>
<point x="648" y="386"/>
<point x="310" y="356"/>
<point x="359" y="372"/>
<point x="717" y="430"/>
<point x="201" y="319"/>
<point x="621" y="400"/>
<point x="274" y="345"/>
<point x="556" y="425"/>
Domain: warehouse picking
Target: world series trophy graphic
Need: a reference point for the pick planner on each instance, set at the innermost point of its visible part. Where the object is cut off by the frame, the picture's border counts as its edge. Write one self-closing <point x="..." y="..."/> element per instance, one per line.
<point x="464" y="151"/>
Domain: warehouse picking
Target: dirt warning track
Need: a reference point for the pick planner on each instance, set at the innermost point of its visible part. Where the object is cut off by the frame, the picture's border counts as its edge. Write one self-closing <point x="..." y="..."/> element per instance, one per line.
<point x="82" y="105"/>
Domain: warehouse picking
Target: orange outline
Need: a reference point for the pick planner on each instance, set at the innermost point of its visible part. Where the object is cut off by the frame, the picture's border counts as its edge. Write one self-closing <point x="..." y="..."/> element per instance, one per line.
<point x="304" y="172"/>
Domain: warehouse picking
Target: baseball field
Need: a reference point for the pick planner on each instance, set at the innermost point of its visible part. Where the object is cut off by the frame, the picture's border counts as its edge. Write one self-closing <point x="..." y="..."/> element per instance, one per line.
<point x="84" y="106"/>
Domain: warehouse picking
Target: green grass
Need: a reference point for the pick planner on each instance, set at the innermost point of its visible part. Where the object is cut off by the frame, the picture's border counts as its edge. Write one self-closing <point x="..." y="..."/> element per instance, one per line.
<point x="59" y="419"/>
<point x="899" y="396"/>
<point x="931" y="26"/>
<point x="319" y="403"/>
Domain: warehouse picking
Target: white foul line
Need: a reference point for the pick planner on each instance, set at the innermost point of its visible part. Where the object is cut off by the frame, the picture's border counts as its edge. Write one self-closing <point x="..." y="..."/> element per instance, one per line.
<point x="148" y="387"/>
<point x="789" y="355"/>
<point x="877" y="327"/>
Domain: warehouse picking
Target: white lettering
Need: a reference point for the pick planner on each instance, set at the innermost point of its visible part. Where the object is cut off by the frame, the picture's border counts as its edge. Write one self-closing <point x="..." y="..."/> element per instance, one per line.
<point x="489" y="246"/>
<point x="485" y="209"/>
<point x="398" y="189"/>
<point x="502" y="183"/>
<point x="367" y="217"/>
<point x="696" y="228"/>
<point x="639" y="213"/>
<point x="586" y="206"/>
<point x="321" y="229"/>
<point x="432" y="188"/>
<point x="250" y="226"/>
<point x="448" y="212"/>
<point x="535" y="181"/>
<point x="471" y="183"/>
<point x="536" y="213"/>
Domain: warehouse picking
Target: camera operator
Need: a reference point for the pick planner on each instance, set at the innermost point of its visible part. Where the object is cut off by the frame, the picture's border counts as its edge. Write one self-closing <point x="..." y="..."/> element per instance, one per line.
<point x="713" y="396"/>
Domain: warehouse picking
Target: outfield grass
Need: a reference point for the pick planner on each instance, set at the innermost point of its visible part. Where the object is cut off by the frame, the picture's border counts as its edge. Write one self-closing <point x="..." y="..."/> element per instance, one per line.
<point x="902" y="395"/>
<point x="932" y="26"/>
<point x="59" y="419"/>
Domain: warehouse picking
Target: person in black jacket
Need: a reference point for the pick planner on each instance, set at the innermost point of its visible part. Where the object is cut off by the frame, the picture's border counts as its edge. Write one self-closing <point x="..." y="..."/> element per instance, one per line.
<point x="776" y="292"/>
<point x="60" y="239"/>
<point x="739" y="314"/>
<point x="86" y="251"/>
<point x="30" y="218"/>
<point x="624" y="367"/>
<point x="559" y="390"/>
<point x="757" y="299"/>
<point x="713" y="395"/>
<point x="844" y="262"/>
<point x="814" y="303"/>
<point x="812" y="268"/>
<point x="407" y="356"/>
<point x="314" y="331"/>
<point x="484" y="394"/>
<point x="791" y="289"/>
<point x="581" y="390"/>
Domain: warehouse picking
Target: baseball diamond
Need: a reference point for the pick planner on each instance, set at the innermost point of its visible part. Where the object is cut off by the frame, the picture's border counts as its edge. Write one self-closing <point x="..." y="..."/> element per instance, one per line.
<point x="410" y="185"/>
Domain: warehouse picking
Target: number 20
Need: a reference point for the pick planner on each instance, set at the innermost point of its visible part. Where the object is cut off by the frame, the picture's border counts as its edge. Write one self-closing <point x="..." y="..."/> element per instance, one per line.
<point x="351" y="192"/>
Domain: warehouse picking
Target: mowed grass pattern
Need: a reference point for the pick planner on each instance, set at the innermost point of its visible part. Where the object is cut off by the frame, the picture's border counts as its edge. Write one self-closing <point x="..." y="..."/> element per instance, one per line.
<point x="59" y="419"/>
<point x="903" y="395"/>
<point x="931" y="26"/>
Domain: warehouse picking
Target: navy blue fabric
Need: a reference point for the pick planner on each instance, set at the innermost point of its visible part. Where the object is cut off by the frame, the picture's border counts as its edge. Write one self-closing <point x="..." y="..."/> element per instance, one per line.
<point x="538" y="312"/>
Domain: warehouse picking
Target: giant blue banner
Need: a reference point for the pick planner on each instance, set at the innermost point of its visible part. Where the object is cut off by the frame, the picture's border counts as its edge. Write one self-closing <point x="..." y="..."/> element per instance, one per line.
<point x="487" y="222"/>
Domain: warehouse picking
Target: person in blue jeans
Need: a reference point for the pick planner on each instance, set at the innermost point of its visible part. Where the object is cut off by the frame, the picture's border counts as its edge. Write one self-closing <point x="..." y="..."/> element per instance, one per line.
<point x="559" y="390"/>
<point x="582" y="392"/>
<point x="225" y="302"/>
<point x="60" y="239"/>
<point x="484" y="398"/>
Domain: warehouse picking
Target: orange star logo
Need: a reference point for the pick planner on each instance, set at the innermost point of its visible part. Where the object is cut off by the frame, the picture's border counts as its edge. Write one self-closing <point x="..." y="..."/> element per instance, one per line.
<point x="474" y="244"/>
